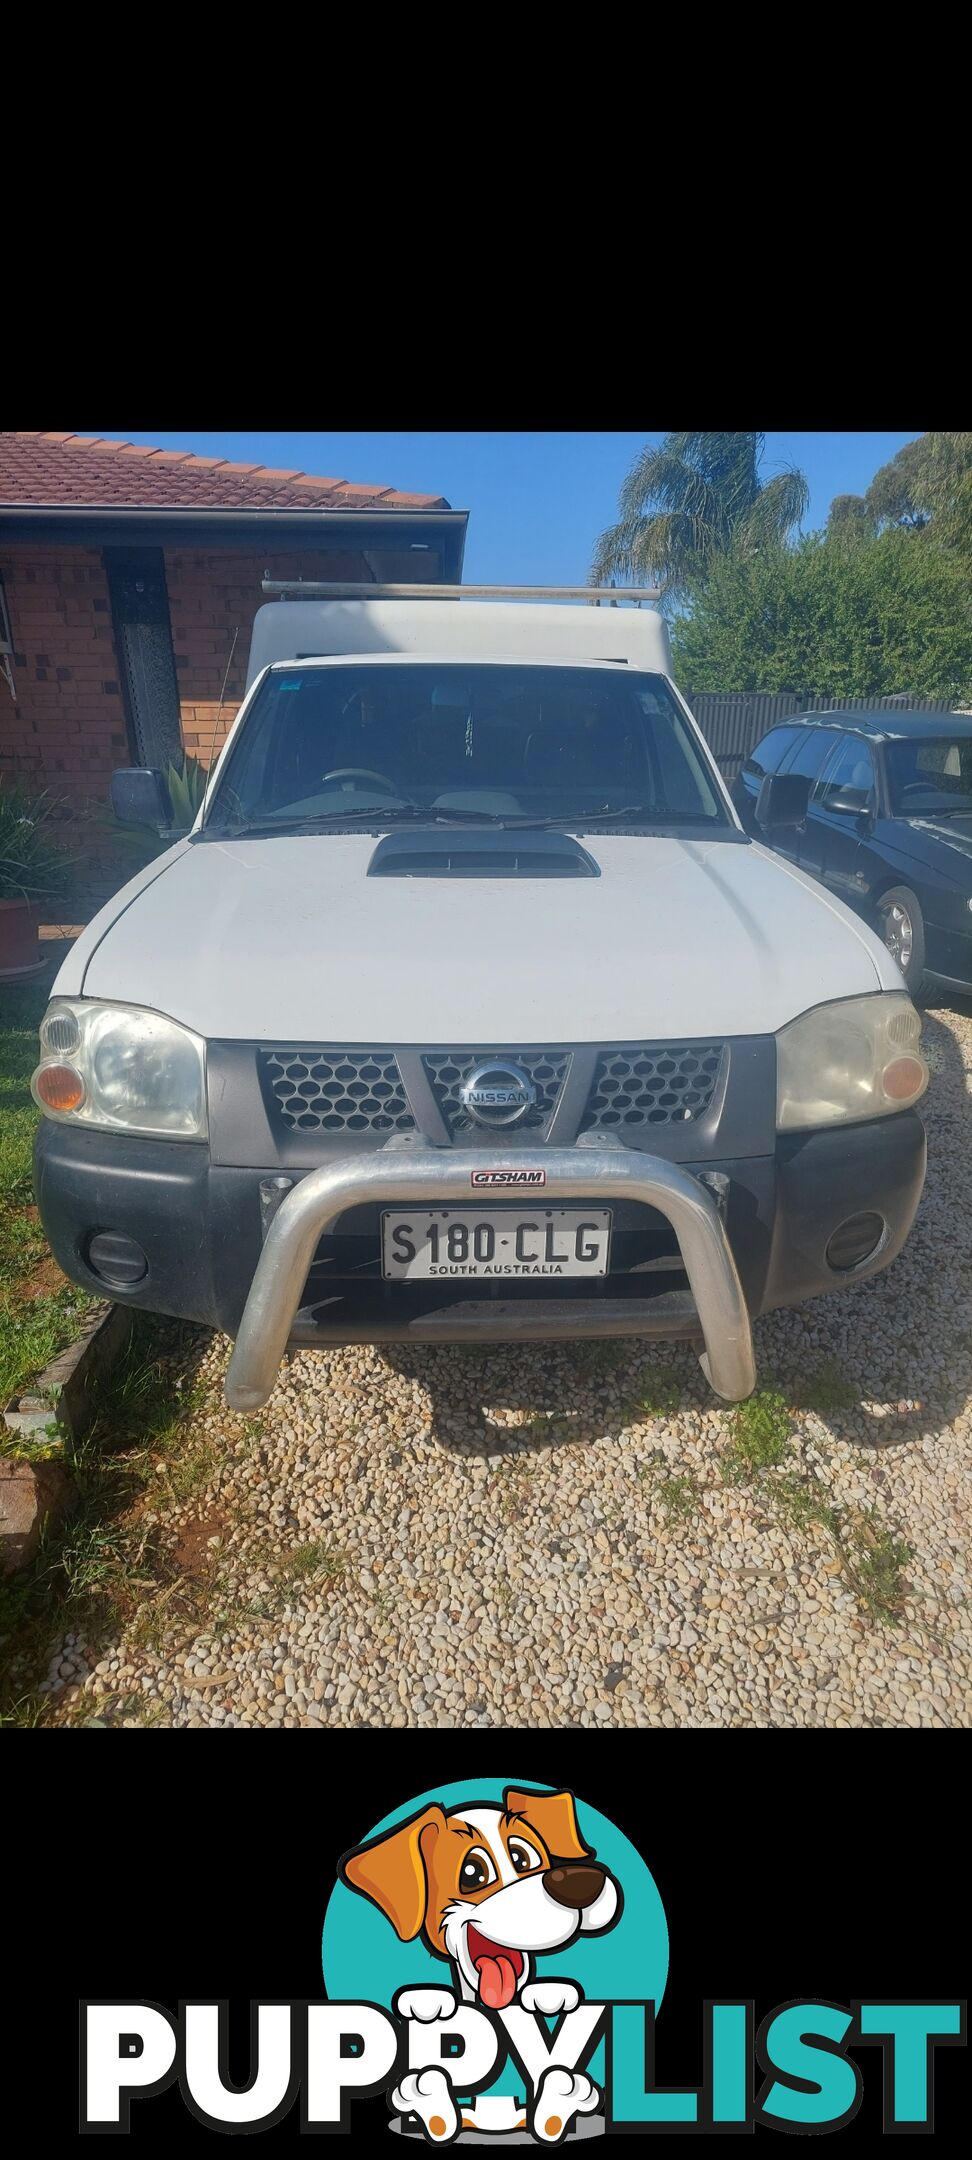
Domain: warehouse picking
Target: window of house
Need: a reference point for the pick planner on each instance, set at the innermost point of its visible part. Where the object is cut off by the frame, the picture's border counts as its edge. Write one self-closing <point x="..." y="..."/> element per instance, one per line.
<point x="143" y="641"/>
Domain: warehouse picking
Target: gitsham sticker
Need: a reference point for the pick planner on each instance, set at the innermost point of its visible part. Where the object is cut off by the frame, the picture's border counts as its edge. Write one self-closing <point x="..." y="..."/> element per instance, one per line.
<point x="509" y="1180"/>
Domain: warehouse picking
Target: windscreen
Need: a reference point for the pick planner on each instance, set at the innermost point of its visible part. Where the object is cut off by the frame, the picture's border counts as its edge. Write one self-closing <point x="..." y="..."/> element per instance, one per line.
<point x="930" y="775"/>
<point x="328" y="744"/>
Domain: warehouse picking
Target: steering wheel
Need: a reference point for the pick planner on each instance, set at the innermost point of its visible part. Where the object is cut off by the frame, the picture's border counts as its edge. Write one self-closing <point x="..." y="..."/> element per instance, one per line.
<point x="359" y="772"/>
<point x="922" y="787"/>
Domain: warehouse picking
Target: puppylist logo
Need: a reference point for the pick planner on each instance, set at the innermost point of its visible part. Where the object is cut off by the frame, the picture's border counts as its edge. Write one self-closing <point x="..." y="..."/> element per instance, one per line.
<point x="494" y="1964"/>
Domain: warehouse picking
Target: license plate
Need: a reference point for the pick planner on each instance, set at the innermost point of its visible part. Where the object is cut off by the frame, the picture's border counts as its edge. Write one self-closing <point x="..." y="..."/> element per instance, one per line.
<point x="490" y="1243"/>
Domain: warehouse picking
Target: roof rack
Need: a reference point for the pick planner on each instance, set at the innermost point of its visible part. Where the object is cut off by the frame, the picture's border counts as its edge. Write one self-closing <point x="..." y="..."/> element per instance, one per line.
<point x="311" y="589"/>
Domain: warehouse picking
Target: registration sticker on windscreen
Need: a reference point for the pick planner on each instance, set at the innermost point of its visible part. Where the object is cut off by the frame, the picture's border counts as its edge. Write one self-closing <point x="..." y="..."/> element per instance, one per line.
<point x="488" y="1244"/>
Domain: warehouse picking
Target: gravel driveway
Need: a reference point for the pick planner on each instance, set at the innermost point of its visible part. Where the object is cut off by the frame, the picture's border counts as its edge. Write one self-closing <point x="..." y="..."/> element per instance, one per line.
<point x="577" y="1535"/>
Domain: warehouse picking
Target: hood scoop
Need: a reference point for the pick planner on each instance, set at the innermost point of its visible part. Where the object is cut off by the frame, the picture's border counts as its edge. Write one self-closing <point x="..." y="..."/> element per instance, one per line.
<point x="441" y="853"/>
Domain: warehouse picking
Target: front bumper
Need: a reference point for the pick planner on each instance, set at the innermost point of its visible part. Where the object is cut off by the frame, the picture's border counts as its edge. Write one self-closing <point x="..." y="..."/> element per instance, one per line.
<point x="312" y="1207"/>
<point x="311" y="1275"/>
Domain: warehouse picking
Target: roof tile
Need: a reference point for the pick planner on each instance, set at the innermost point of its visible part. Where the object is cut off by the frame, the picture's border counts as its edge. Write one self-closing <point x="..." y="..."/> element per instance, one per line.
<point x="52" y="470"/>
<point x="202" y="464"/>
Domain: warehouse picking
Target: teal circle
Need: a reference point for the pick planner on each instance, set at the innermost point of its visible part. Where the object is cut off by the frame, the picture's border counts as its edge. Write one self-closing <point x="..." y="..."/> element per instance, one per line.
<point x="363" y="1960"/>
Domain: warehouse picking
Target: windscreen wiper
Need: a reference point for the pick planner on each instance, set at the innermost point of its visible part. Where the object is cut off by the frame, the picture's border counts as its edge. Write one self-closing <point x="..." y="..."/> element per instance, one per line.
<point x="417" y="813"/>
<point x="309" y="822"/>
<point x="649" y="813"/>
<point x="396" y="813"/>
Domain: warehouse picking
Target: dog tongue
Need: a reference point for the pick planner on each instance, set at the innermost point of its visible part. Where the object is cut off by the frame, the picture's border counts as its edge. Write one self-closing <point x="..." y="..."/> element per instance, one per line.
<point x="497" y="1981"/>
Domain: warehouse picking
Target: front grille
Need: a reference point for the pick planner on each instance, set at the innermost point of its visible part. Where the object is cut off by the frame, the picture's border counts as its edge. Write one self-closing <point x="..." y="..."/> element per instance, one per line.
<point x="447" y="1069"/>
<point x="309" y="1089"/>
<point x="337" y="1090"/>
<point x="652" y="1084"/>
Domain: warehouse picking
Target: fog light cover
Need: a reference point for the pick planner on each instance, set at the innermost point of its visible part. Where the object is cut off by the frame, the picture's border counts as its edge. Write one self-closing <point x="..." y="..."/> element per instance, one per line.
<point x="854" y="1241"/>
<point x="116" y="1259"/>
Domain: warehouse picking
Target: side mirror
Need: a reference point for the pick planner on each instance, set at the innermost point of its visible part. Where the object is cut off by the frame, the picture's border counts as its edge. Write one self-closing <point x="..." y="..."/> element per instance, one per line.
<point x="139" y="796"/>
<point x="782" y="800"/>
<point x="848" y="802"/>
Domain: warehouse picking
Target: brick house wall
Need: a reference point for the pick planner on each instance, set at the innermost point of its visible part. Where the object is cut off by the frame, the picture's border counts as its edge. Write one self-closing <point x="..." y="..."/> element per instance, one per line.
<point x="131" y="576"/>
<point x="213" y="595"/>
<point x="67" y="730"/>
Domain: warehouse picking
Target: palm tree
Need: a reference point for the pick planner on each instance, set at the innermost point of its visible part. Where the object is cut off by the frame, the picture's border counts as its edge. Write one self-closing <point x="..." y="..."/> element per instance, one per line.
<point x="688" y="499"/>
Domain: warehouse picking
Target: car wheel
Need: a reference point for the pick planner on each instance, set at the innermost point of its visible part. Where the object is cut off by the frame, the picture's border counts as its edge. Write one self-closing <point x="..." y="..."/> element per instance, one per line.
<point x="902" y="927"/>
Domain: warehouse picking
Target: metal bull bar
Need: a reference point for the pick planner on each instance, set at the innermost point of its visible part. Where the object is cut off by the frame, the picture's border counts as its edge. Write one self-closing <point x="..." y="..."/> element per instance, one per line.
<point x="442" y="1175"/>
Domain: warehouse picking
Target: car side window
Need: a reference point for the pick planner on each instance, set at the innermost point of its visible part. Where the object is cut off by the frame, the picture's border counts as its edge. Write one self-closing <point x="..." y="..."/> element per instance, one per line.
<point x="768" y="754"/>
<point x="847" y="782"/>
<point x="812" y="753"/>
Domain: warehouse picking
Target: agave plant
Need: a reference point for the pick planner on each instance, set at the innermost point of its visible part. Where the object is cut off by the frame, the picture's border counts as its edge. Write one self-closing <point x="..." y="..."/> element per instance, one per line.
<point x="34" y="864"/>
<point x="187" y="786"/>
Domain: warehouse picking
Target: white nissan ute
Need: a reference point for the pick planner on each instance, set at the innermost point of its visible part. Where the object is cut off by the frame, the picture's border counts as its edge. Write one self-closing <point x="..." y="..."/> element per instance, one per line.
<point x="467" y="1011"/>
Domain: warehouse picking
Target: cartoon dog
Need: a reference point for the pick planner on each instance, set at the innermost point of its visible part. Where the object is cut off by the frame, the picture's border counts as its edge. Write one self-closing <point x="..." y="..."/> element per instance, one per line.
<point x="490" y="1889"/>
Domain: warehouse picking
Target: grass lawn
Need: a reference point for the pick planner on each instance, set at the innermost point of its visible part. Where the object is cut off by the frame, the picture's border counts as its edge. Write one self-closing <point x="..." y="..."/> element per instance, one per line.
<point x="94" y="1570"/>
<point x="107" y="1566"/>
<point x="39" y="1310"/>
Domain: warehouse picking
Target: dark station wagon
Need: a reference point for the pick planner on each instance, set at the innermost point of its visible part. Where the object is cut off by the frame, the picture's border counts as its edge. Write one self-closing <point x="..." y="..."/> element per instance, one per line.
<point x="878" y="806"/>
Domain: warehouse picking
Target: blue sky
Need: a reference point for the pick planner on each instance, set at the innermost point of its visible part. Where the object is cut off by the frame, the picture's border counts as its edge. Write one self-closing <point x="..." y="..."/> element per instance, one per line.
<point x="536" y="502"/>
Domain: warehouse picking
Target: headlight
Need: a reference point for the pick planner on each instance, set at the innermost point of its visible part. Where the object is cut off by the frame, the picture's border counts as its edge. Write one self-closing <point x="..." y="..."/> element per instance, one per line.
<point x="857" y="1058"/>
<point x="117" y="1066"/>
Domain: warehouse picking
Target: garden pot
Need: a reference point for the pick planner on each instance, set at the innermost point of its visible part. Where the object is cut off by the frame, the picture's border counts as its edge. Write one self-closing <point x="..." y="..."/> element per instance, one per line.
<point x="19" y="950"/>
